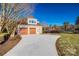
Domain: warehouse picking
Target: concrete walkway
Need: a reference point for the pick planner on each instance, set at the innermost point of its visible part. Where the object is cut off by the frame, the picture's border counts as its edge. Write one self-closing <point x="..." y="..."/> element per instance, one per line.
<point x="35" y="45"/>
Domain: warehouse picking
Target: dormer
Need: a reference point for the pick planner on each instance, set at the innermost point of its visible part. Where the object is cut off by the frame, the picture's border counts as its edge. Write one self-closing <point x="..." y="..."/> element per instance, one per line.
<point x="28" y="21"/>
<point x="32" y="21"/>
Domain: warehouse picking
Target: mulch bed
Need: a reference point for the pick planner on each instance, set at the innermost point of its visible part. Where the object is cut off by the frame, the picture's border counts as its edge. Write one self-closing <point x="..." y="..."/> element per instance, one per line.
<point x="4" y="48"/>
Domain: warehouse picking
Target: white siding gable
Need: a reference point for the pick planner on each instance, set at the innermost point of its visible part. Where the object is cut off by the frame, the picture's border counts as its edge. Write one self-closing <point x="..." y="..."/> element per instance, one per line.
<point x="32" y="21"/>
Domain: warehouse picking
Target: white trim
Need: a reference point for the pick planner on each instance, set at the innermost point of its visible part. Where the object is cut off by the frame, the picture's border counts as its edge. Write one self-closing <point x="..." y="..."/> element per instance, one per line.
<point x="28" y="30"/>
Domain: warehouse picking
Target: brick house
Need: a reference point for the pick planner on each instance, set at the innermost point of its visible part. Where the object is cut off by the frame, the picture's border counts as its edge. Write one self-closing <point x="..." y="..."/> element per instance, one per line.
<point x="30" y="25"/>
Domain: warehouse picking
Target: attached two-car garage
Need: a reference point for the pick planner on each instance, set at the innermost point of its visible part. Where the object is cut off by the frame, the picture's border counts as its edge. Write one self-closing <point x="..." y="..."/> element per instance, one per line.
<point x="24" y="30"/>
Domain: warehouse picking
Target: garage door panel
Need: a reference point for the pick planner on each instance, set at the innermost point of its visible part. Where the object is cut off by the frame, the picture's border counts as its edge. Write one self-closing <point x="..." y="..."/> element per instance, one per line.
<point x="32" y="30"/>
<point x="24" y="31"/>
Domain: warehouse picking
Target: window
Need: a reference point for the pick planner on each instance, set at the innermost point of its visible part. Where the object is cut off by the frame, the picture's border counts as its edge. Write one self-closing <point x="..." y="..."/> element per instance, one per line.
<point x="32" y="21"/>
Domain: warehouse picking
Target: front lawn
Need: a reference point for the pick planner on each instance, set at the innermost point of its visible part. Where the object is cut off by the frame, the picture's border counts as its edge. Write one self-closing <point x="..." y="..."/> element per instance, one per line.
<point x="68" y="45"/>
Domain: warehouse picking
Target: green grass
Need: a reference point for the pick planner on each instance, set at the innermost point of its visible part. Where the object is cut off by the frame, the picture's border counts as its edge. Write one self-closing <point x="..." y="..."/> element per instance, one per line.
<point x="68" y="44"/>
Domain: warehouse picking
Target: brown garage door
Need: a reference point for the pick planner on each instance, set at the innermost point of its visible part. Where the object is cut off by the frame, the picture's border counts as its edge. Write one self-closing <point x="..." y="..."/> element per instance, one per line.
<point x="32" y="30"/>
<point x="23" y="31"/>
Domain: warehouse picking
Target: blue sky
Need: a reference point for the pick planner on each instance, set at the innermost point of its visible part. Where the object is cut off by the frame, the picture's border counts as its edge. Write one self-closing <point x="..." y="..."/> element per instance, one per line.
<point x="56" y="14"/>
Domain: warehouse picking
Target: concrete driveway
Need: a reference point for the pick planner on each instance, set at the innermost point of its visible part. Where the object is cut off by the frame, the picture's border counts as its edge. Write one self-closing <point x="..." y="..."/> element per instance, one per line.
<point x="35" y="45"/>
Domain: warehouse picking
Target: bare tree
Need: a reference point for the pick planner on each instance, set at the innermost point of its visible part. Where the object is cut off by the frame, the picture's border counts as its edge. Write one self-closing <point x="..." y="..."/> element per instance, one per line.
<point x="66" y="26"/>
<point x="10" y="12"/>
<point x="16" y="11"/>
